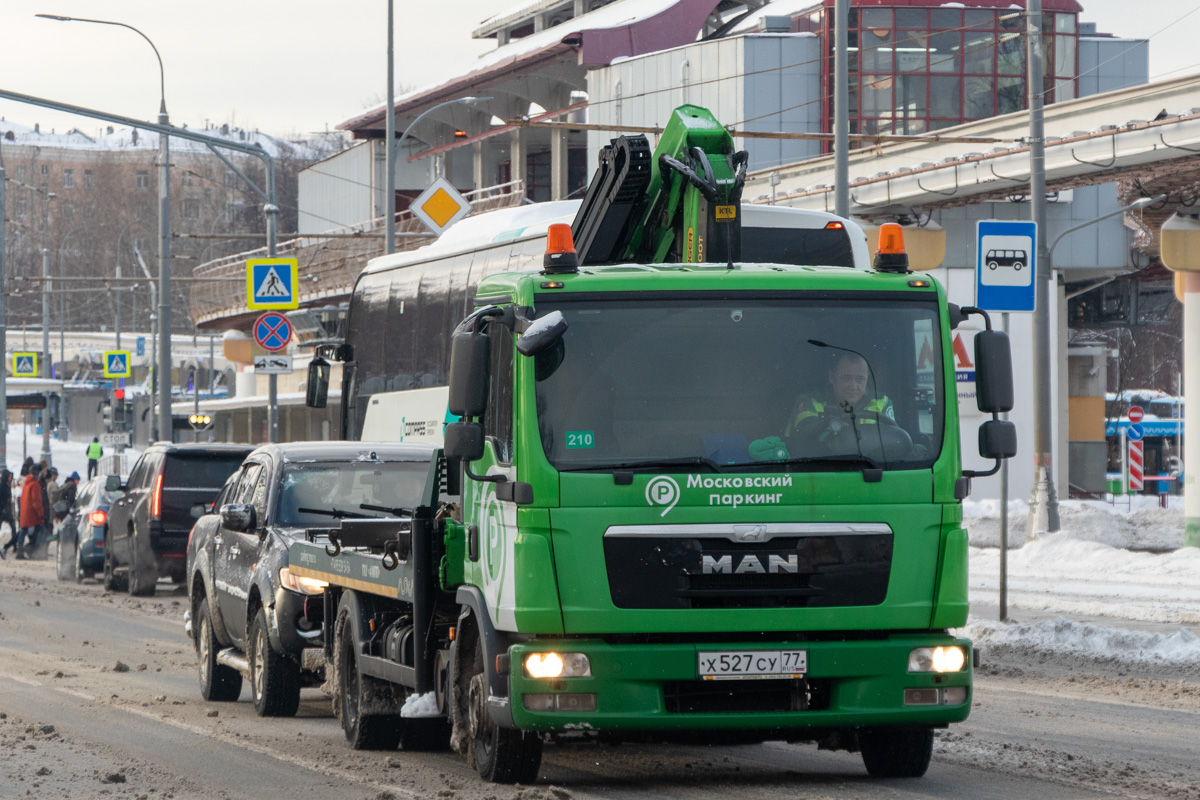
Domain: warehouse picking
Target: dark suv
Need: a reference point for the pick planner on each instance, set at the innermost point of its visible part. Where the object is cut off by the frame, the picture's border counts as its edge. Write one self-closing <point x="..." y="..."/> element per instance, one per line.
<point x="147" y="531"/>
<point x="250" y="615"/>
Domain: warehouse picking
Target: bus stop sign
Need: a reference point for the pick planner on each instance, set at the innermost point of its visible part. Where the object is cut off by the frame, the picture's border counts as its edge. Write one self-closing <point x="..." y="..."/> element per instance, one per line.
<point x="1005" y="265"/>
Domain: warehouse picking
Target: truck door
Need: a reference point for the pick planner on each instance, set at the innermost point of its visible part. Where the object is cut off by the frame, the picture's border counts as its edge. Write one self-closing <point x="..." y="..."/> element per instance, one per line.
<point x="236" y="552"/>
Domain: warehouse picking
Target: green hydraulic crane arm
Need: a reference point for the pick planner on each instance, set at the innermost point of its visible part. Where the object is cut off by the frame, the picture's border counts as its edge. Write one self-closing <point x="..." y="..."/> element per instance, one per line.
<point x="682" y="204"/>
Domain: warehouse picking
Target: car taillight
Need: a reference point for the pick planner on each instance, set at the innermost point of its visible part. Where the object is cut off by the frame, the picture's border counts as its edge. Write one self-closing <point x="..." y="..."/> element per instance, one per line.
<point x="98" y="517"/>
<point x="156" y="498"/>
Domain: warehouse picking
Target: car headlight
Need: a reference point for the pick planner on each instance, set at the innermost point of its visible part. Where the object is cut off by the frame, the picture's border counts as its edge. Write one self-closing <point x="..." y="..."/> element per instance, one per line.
<point x="937" y="659"/>
<point x="556" y="665"/>
<point x="298" y="583"/>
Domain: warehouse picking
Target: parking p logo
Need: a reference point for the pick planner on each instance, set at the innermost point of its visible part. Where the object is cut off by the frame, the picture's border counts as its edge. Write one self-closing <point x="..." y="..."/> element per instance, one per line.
<point x="662" y="490"/>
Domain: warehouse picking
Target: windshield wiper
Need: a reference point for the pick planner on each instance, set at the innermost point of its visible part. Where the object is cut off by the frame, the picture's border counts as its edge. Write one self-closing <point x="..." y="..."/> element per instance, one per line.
<point x="848" y="459"/>
<point x="336" y="513"/>
<point x="686" y="461"/>
<point x="395" y="512"/>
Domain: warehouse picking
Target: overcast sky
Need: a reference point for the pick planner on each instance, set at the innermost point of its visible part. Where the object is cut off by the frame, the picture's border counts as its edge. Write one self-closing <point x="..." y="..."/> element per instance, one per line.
<point x="297" y="66"/>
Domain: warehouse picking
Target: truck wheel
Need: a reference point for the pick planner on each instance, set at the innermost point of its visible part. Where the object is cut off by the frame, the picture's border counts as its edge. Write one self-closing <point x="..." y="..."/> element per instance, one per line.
<point x="112" y="581"/>
<point x="218" y="683"/>
<point x="896" y="752"/>
<point x="501" y="755"/>
<point x="142" y="577"/>
<point x="364" y="729"/>
<point x="274" y="678"/>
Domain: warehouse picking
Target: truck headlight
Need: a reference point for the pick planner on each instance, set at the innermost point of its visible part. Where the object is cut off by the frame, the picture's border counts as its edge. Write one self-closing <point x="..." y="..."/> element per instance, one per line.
<point x="298" y="583"/>
<point x="556" y="665"/>
<point x="937" y="659"/>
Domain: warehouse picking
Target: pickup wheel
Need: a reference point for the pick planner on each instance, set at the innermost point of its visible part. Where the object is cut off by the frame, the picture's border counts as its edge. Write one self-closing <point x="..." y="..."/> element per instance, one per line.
<point x="896" y="752"/>
<point x="501" y="755"/>
<point x="218" y="683"/>
<point x="362" y="696"/>
<point x="142" y="577"/>
<point x="112" y="581"/>
<point x="274" y="678"/>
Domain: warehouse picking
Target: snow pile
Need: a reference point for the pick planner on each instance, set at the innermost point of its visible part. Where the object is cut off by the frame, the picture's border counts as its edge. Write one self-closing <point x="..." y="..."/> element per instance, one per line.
<point x="420" y="705"/>
<point x="1084" y="639"/>
<point x="1064" y="574"/>
<point x="1136" y="525"/>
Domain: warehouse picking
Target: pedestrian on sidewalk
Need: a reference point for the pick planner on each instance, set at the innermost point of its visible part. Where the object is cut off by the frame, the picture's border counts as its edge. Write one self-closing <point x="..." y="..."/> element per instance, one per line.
<point x="32" y="511"/>
<point x="94" y="451"/>
<point x="25" y="467"/>
<point x="6" y="511"/>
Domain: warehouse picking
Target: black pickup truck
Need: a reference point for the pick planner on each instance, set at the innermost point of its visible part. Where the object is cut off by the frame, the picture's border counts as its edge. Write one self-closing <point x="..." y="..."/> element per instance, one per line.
<point x="249" y="615"/>
<point x="147" y="528"/>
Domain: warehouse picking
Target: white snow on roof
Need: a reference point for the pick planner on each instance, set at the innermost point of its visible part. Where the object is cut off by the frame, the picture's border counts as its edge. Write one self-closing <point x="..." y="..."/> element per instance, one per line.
<point x="621" y="12"/>
<point x="112" y="138"/>
<point x="778" y="8"/>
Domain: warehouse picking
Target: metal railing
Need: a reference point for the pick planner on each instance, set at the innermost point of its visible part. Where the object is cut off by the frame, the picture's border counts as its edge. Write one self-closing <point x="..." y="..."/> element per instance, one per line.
<point x="329" y="262"/>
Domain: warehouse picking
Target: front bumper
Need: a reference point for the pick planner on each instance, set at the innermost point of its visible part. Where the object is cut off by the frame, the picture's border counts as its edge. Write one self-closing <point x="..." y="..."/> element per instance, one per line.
<point x="654" y="687"/>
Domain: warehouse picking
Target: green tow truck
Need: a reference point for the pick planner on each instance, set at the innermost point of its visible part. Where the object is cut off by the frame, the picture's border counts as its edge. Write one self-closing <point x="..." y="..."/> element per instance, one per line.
<point x="682" y="498"/>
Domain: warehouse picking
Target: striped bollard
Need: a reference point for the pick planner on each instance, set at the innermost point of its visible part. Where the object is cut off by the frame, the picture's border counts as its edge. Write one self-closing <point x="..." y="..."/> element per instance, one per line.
<point x="1135" y="466"/>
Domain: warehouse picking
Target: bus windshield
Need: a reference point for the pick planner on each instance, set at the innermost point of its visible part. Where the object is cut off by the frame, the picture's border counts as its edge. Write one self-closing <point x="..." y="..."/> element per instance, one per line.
<point x="798" y="383"/>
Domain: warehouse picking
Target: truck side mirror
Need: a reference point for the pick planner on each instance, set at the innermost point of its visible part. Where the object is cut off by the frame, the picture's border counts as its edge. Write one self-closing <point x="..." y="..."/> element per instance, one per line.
<point x="993" y="372"/>
<point x="542" y="333"/>
<point x="997" y="439"/>
<point x="470" y="354"/>
<point x="464" y="440"/>
<point x="316" y="393"/>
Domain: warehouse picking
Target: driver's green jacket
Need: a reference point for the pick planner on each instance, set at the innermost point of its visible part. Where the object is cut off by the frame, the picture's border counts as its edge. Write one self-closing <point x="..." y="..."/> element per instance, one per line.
<point x="811" y="407"/>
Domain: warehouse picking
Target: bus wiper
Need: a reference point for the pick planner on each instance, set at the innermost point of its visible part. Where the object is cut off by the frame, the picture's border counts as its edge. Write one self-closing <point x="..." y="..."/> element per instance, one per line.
<point x="395" y="512"/>
<point x="336" y="513"/>
<point x="685" y="461"/>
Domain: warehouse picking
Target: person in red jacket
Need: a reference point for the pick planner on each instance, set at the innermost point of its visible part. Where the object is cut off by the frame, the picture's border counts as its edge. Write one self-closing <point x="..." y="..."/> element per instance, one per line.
<point x="33" y="513"/>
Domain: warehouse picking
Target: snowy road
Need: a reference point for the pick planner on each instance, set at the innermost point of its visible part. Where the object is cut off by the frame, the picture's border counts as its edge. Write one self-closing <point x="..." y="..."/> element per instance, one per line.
<point x="1046" y="723"/>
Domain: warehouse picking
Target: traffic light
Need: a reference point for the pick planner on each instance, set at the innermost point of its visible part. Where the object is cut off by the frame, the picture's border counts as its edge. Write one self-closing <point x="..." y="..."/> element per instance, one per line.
<point x="118" y="394"/>
<point x="106" y="410"/>
<point x="200" y="421"/>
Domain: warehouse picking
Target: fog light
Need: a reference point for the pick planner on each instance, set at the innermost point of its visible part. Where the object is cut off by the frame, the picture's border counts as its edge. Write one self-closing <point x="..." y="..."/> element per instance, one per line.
<point x="948" y="696"/>
<point x="937" y="659"/>
<point x="555" y="665"/>
<point x="571" y="701"/>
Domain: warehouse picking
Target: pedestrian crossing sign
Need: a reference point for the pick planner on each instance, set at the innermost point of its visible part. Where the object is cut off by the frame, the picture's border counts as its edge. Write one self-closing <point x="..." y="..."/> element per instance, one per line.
<point x="271" y="283"/>
<point x="116" y="364"/>
<point x="25" y="365"/>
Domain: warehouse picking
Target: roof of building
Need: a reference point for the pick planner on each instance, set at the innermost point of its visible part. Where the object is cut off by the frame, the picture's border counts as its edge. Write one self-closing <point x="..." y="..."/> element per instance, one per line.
<point x="618" y="30"/>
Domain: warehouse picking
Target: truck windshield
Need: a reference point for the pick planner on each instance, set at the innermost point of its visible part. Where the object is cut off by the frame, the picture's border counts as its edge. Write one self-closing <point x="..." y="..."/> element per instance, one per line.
<point x="836" y="382"/>
<point x="331" y="490"/>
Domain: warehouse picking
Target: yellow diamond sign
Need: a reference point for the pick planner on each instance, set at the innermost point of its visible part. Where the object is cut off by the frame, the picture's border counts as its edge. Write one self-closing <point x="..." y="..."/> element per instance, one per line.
<point x="440" y="206"/>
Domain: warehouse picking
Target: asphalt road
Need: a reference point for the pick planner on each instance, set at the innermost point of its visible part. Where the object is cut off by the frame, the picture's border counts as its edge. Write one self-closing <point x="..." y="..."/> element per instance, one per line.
<point x="99" y="699"/>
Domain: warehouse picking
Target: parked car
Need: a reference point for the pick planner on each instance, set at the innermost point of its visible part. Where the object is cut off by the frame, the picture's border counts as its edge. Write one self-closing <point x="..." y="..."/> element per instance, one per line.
<point x="170" y="486"/>
<point x="249" y="615"/>
<point x="81" y="533"/>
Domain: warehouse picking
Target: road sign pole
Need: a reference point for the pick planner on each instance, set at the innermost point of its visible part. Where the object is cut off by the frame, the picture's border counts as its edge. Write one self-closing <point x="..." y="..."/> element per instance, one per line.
<point x="47" y="364"/>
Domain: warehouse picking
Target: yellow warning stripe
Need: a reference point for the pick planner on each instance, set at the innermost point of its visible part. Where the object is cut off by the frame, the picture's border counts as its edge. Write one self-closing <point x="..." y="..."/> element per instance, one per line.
<point x="349" y="583"/>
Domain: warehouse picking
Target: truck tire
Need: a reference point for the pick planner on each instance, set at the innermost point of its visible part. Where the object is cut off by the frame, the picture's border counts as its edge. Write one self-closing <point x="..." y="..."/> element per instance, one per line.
<point x="142" y="577"/>
<point x="362" y="696"/>
<point x="112" y="581"/>
<point x="896" y="752"/>
<point x="501" y="755"/>
<point x="274" y="678"/>
<point x="218" y="683"/>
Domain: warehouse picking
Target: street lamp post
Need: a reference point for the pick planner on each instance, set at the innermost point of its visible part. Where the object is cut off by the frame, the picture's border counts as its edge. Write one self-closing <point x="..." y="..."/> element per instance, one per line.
<point x="3" y="317"/>
<point x="47" y="359"/>
<point x="1043" y="508"/>
<point x="389" y="240"/>
<point x="164" y="229"/>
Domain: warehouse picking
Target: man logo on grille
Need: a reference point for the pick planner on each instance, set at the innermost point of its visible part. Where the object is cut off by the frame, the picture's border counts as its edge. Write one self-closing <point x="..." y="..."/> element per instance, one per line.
<point x="662" y="490"/>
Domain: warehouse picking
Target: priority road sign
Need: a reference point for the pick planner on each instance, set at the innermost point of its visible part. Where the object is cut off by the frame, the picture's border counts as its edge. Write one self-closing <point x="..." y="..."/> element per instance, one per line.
<point x="1005" y="265"/>
<point x="272" y="331"/>
<point x="440" y="206"/>
<point x="116" y="364"/>
<point x="271" y="283"/>
<point x="25" y="365"/>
